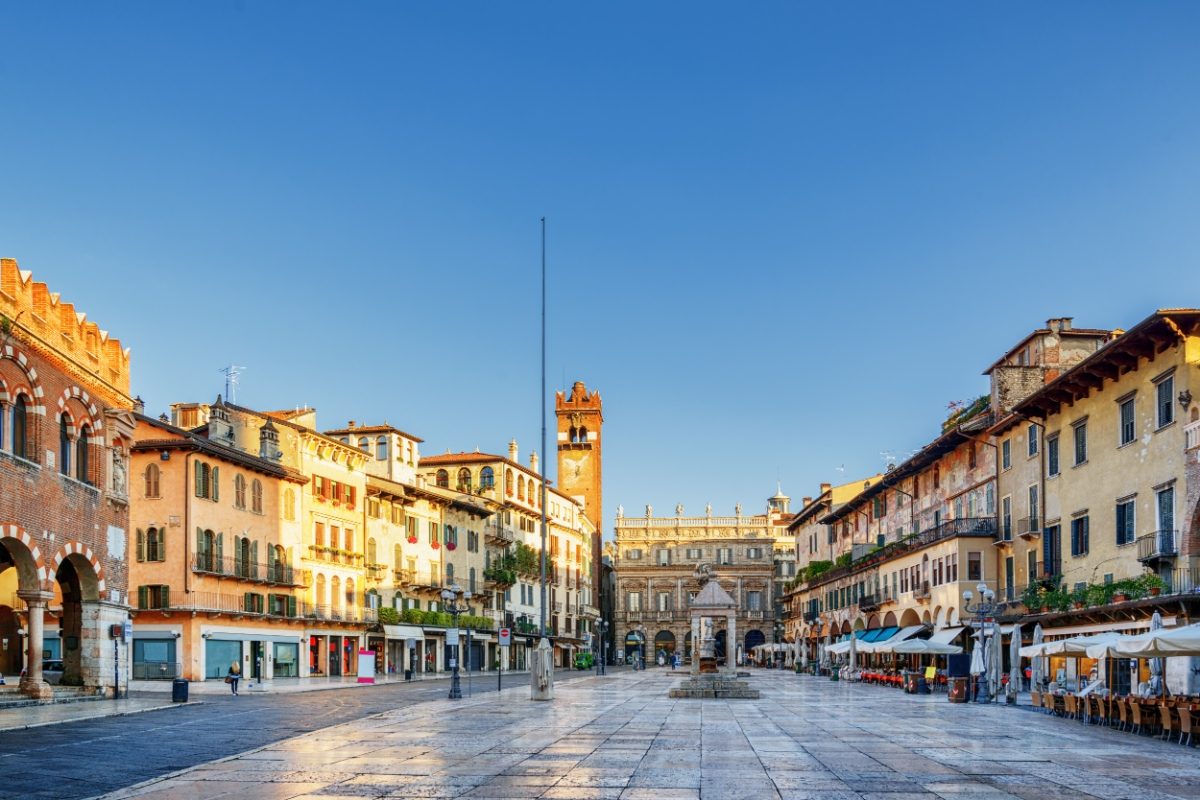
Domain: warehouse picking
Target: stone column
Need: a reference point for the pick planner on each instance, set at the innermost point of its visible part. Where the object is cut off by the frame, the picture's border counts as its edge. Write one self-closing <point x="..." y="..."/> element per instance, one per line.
<point x="33" y="684"/>
<point x="731" y="644"/>
<point x="697" y="627"/>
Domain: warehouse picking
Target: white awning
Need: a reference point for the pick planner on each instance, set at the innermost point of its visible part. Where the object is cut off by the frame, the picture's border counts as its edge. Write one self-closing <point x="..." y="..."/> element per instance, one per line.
<point x="1101" y="627"/>
<point x="403" y="632"/>
<point x="945" y="635"/>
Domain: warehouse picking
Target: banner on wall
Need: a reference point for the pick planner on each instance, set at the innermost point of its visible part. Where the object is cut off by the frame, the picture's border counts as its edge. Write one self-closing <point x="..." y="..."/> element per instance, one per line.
<point x="366" y="666"/>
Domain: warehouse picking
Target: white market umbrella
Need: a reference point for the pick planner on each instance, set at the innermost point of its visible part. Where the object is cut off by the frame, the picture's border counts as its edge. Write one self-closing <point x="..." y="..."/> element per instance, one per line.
<point x="925" y="647"/>
<point x="1160" y="643"/>
<point x="1037" y="661"/>
<point x="1157" y="685"/>
<point x="803" y="653"/>
<point x="1014" y="666"/>
<point x="977" y="659"/>
<point x="1076" y="646"/>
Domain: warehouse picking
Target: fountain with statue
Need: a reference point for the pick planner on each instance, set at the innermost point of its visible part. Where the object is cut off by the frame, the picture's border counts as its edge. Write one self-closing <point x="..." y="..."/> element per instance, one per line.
<point x="708" y="680"/>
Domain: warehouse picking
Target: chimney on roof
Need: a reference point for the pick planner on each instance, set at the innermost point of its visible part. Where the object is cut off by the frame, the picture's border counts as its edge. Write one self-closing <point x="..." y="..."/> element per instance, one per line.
<point x="825" y="487"/>
<point x="139" y="405"/>
<point x="533" y="461"/>
<point x="268" y="442"/>
<point x="513" y="452"/>
<point x="350" y="424"/>
<point x="805" y="501"/>
<point x="1059" y="324"/>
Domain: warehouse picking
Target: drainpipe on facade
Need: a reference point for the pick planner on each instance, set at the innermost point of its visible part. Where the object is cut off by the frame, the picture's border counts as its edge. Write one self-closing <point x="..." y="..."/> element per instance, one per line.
<point x="187" y="524"/>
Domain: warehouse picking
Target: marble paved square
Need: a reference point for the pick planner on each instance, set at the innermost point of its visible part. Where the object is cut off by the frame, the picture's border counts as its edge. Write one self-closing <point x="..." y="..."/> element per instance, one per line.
<point x="621" y="737"/>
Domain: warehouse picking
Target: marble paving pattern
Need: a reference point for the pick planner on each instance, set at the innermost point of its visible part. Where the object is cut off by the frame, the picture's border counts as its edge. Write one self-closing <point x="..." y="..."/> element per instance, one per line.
<point x="622" y="737"/>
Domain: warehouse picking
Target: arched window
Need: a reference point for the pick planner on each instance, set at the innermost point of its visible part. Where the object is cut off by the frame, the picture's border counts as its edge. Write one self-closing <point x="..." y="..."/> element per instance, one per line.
<point x="245" y="555"/>
<point x="381" y="448"/>
<point x="464" y="480"/>
<point x="256" y="496"/>
<point x="319" y="597"/>
<point x="449" y="574"/>
<point x="443" y="479"/>
<point x="574" y="434"/>
<point x="583" y="435"/>
<point x="289" y="504"/>
<point x="364" y="444"/>
<point x="20" y="430"/>
<point x="508" y="482"/>
<point x="152" y="475"/>
<point x="521" y="487"/>
<point x="64" y="445"/>
<point x="487" y="478"/>
<point x="279" y="563"/>
<point x="81" y="453"/>
<point x="207" y="551"/>
<point x="239" y="491"/>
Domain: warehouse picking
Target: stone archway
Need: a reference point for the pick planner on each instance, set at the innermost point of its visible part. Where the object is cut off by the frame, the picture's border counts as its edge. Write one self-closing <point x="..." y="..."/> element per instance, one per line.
<point x="909" y="617"/>
<point x="19" y="553"/>
<point x="754" y="638"/>
<point x="889" y="619"/>
<point x="664" y="645"/>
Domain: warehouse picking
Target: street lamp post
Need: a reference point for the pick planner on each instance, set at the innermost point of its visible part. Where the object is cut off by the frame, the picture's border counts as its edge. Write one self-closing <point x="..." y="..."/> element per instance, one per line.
<point x="456" y="601"/>
<point x="601" y="628"/>
<point x="984" y="612"/>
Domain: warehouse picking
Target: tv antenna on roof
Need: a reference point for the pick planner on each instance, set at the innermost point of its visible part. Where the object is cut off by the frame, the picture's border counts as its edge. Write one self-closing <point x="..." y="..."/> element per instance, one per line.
<point x="232" y="373"/>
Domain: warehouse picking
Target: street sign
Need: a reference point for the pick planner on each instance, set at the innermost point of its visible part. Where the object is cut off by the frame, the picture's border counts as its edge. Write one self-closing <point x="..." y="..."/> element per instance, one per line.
<point x="452" y="637"/>
<point x="127" y="631"/>
<point x="505" y="637"/>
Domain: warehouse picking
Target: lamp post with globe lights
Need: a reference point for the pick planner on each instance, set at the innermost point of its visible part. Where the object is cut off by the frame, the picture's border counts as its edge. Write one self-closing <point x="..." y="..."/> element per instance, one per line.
<point x="984" y="612"/>
<point x="456" y="601"/>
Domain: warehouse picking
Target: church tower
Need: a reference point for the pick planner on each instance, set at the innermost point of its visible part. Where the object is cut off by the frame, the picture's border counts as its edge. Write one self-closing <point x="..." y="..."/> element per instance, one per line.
<point x="580" y="418"/>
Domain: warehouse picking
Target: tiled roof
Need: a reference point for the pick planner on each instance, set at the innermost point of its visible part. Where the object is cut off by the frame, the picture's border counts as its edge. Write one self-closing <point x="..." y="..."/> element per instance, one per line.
<point x="371" y="429"/>
<point x="190" y="440"/>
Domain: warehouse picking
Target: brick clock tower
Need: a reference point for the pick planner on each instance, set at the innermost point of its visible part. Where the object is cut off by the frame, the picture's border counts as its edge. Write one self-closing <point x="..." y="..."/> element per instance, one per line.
<point x="580" y="418"/>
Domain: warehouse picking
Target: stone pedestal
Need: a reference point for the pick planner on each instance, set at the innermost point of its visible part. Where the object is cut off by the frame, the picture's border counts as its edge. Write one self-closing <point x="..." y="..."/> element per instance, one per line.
<point x="714" y="687"/>
<point x="708" y="666"/>
<point x="541" y="672"/>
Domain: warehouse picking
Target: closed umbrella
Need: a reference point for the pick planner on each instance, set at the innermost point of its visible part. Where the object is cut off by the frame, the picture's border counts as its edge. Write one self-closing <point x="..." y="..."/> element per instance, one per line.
<point x="1014" y="666"/>
<point x="977" y="657"/>
<point x="853" y="650"/>
<point x="996" y="663"/>
<point x="1037" y="660"/>
<point x="1157" y="685"/>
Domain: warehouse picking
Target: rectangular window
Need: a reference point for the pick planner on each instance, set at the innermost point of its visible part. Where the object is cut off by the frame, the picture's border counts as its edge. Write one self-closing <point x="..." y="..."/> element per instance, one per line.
<point x="724" y="555"/>
<point x="154" y="596"/>
<point x="1005" y="454"/>
<point x="695" y="552"/>
<point x="664" y="601"/>
<point x="754" y="601"/>
<point x="1126" y="411"/>
<point x="1166" y="511"/>
<point x="1052" y="455"/>
<point x="1006" y="518"/>
<point x="1166" y="402"/>
<point x="664" y="557"/>
<point x="974" y="566"/>
<point x="1125" y="521"/>
<point x="1032" y="438"/>
<point x="1009" y="576"/>
<point x="953" y="568"/>
<point x="1031" y="565"/>
<point x="1080" y="434"/>
<point x="634" y="601"/>
<point x="1079" y="536"/>
<point x="1034" y="512"/>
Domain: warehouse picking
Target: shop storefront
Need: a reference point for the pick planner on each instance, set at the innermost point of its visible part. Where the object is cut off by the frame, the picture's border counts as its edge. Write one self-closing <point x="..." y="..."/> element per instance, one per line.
<point x="286" y="656"/>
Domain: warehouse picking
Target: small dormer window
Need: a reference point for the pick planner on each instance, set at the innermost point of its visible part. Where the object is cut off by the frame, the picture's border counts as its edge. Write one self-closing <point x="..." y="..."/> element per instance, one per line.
<point x="381" y="448"/>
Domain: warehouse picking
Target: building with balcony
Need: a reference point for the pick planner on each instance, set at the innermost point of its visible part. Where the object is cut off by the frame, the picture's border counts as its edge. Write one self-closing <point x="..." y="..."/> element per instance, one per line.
<point x="215" y="577"/>
<point x="655" y="560"/>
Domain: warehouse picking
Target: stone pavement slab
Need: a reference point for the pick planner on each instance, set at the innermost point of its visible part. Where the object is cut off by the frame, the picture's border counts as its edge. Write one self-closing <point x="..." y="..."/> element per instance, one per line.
<point x="621" y="737"/>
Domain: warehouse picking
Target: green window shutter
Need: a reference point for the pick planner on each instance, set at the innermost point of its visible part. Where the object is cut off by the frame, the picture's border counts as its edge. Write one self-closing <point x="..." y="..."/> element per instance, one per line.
<point x="199" y="479"/>
<point x="216" y="483"/>
<point x="291" y="605"/>
<point x="162" y="544"/>
<point x="166" y="596"/>
<point x="254" y="559"/>
<point x="141" y="545"/>
<point x="220" y="551"/>
<point x="237" y="556"/>
<point x="143" y="596"/>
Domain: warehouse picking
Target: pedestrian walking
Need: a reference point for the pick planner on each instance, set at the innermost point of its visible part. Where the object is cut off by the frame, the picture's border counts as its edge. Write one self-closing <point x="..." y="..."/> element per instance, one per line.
<point x="233" y="676"/>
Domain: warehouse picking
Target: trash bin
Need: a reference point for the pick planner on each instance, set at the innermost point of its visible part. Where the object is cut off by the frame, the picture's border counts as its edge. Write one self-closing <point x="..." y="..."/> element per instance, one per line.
<point x="408" y="674"/>
<point x="957" y="689"/>
<point x="179" y="691"/>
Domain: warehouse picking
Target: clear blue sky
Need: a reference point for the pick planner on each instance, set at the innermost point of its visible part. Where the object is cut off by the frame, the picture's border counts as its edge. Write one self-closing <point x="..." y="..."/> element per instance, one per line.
<point x="782" y="236"/>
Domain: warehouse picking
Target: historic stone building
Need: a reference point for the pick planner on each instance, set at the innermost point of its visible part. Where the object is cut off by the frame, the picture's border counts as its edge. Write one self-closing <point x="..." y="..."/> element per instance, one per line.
<point x="580" y="417"/>
<point x="655" y="563"/>
<point x="66" y="422"/>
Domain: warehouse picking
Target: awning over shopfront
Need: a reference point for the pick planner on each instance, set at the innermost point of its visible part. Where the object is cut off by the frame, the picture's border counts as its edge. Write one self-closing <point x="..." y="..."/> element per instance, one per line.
<point x="884" y="644"/>
<point x="946" y="635"/>
<point x="403" y="632"/>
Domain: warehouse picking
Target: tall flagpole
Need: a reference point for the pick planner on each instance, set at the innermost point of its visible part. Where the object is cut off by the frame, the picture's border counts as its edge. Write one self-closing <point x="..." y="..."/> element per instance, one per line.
<point x="542" y="403"/>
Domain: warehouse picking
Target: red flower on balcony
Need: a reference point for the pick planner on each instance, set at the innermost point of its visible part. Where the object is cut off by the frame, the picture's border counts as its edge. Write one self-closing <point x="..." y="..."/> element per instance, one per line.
<point x="412" y="540"/>
<point x="449" y="545"/>
<point x="434" y="545"/>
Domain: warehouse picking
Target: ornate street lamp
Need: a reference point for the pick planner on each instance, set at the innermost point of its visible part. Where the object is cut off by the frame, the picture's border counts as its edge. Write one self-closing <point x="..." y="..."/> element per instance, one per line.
<point x="984" y="612"/>
<point x="456" y="601"/>
<point x="602" y="629"/>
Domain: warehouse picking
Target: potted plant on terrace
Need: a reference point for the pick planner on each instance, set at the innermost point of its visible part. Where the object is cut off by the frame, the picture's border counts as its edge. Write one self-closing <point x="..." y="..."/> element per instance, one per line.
<point x="1152" y="584"/>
